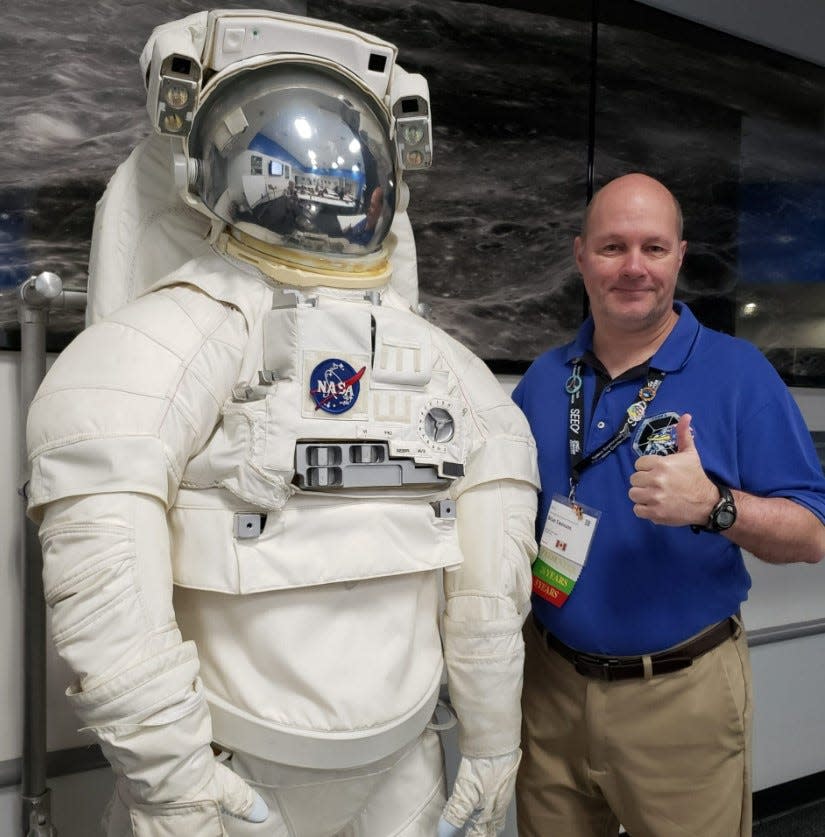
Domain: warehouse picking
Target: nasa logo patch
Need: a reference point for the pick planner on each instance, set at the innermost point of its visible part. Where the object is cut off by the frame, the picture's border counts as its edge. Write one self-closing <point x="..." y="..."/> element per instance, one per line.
<point x="657" y="435"/>
<point x="334" y="385"/>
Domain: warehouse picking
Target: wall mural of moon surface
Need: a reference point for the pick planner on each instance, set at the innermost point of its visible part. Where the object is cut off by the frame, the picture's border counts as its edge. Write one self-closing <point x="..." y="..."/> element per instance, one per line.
<point x="731" y="128"/>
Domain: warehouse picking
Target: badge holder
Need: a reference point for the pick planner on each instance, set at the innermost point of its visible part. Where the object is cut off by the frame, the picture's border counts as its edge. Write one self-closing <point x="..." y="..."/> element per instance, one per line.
<point x="563" y="548"/>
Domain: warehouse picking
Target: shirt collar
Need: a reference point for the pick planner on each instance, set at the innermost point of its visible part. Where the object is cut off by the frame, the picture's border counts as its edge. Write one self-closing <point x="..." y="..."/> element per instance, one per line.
<point x="669" y="357"/>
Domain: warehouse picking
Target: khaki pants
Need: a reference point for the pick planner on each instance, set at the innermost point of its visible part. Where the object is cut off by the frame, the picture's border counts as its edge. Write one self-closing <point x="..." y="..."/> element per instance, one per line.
<point x="666" y="757"/>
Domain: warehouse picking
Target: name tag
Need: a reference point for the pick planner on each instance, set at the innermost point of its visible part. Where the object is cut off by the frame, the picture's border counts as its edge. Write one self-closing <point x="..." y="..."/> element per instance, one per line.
<point x="563" y="549"/>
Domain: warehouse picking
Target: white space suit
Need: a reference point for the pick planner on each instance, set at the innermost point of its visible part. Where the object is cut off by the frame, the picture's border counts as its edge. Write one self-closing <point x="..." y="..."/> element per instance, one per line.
<point x="340" y="494"/>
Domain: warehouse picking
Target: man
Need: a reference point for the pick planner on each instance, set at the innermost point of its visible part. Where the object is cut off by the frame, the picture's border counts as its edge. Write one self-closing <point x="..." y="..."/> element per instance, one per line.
<point x="664" y="448"/>
<point x="364" y="229"/>
<point x="341" y="496"/>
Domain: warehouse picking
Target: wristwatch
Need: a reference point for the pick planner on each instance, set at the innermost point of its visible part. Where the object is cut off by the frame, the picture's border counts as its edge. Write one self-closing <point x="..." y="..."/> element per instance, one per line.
<point x="722" y="516"/>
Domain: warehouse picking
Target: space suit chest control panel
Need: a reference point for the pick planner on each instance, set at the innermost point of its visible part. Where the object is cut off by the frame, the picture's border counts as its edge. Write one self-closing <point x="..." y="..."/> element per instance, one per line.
<point x="350" y="394"/>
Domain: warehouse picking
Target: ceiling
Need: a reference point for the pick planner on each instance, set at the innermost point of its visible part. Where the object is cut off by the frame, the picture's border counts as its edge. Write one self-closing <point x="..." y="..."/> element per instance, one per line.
<point x="792" y="26"/>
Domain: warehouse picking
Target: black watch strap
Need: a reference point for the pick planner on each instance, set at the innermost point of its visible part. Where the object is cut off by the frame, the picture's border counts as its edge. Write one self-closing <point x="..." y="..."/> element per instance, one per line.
<point x="722" y="516"/>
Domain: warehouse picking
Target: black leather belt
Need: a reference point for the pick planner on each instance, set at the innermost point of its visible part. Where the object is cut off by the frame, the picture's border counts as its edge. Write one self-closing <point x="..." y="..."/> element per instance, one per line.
<point x="627" y="668"/>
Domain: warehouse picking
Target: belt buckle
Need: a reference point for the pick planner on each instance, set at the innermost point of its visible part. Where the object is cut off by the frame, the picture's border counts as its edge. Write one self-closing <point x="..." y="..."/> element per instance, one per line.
<point x="595" y="667"/>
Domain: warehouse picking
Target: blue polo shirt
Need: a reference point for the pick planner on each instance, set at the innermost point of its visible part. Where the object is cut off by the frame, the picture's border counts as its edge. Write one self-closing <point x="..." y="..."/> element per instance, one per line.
<point x="646" y="587"/>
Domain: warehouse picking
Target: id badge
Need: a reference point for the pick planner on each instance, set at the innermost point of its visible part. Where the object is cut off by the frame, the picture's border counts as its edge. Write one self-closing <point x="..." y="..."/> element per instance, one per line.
<point x="563" y="548"/>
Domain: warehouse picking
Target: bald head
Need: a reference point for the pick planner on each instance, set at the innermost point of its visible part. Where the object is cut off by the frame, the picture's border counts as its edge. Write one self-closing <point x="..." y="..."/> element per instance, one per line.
<point x="629" y="256"/>
<point x="626" y="189"/>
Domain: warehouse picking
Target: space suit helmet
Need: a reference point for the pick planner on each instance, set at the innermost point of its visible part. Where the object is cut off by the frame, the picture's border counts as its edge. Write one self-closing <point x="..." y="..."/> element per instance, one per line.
<point x="296" y="155"/>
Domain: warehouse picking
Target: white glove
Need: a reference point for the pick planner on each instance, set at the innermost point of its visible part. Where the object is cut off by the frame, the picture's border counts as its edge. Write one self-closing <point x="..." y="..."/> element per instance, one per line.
<point x="481" y="795"/>
<point x="198" y="813"/>
<point x="234" y="796"/>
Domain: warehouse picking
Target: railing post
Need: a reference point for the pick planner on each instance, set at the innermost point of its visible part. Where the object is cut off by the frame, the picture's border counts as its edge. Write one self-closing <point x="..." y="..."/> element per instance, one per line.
<point x="37" y="295"/>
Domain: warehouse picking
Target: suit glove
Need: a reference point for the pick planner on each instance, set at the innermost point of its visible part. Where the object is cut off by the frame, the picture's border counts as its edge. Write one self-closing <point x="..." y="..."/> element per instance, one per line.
<point x="235" y="796"/>
<point x="198" y="815"/>
<point x="481" y="795"/>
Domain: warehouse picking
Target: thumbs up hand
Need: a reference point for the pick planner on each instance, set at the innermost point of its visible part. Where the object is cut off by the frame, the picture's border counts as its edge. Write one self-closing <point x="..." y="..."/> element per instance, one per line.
<point x="684" y="435"/>
<point x="673" y="490"/>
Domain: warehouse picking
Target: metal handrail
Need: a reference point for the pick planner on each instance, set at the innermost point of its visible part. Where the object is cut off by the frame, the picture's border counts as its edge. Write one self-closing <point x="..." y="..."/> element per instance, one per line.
<point x="783" y="633"/>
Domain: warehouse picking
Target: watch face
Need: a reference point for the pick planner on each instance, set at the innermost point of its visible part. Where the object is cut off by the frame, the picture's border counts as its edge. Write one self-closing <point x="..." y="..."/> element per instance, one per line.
<point x="725" y="518"/>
